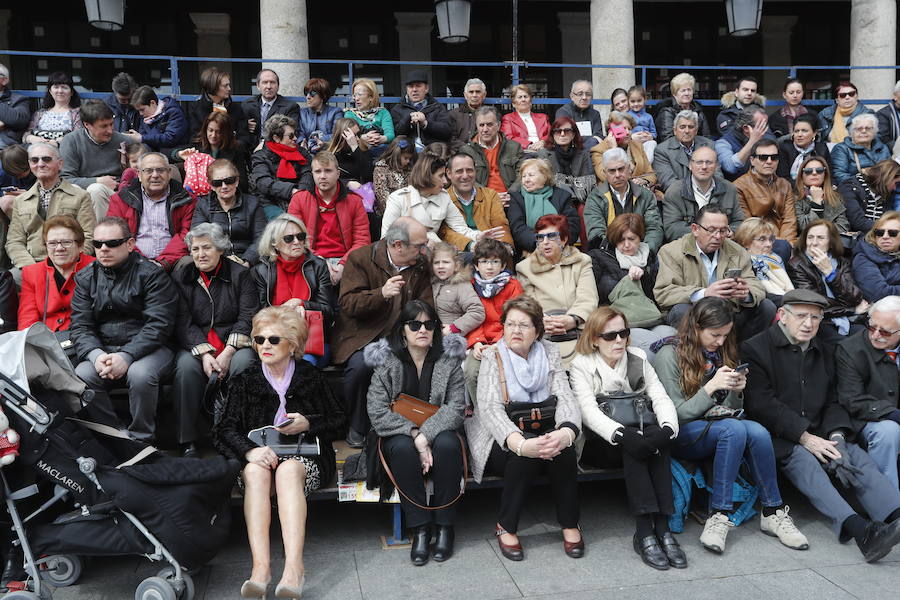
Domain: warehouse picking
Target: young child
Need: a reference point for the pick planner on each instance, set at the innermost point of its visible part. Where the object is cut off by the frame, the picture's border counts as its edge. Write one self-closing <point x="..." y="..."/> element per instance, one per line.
<point x="645" y="131"/>
<point x="131" y="154"/>
<point x="456" y="302"/>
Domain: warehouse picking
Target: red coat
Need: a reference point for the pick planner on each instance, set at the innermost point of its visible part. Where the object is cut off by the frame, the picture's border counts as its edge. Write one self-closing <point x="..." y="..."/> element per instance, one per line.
<point x="34" y="288"/>
<point x="491" y="330"/>
<point x="513" y="127"/>
<point x="351" y="215"/>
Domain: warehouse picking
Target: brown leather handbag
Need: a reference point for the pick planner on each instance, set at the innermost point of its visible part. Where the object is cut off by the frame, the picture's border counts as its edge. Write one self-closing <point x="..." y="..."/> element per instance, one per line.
<point x="413" y="409"/>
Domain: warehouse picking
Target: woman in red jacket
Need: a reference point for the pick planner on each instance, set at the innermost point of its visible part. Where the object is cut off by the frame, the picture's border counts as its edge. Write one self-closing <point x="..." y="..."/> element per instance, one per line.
<point x="529" y="129"/>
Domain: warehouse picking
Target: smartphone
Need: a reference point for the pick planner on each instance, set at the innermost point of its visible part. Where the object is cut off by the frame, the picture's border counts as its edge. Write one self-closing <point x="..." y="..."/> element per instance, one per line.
<point x="618" y="132"/>
<point x="8" y="188"/>
<point x="732" y="273"/>
<point x="742" y="367"/>
<point x="284" y="423"/>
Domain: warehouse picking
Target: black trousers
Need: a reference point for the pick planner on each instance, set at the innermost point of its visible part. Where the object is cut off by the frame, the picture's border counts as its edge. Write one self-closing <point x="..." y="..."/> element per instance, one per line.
<point x="519" y="473"/>
<point x="446" y="474"/>
<point x="357" y="376"/>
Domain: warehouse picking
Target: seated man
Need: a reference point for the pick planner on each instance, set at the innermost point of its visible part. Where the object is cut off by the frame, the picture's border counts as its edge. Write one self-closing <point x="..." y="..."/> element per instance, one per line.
<point x="587" y="119"/>
<point x="497" y="159"/>
<point x="157" y="209"/>
<point x="419" y="116"/>
<point x="867" y="384"/>
<point x="463" y="116"/>
<point x="15" y="112"/>
<point x="791" y="390"/>
<point x="618" y="195"/>
<point x="123" y="312"/>
<point x="481" y="207"/>
<point x="49" y="197"/>
<point x="735" y="147"/>
<point x="91" y="157"/>
<point x="701" y="187"/>
<point x="126" y="118"/>
<point x="704" y="263"/>
<point x="734" y="103"/>
<point x="268" y="102"/>
<point x="671" y="157"/>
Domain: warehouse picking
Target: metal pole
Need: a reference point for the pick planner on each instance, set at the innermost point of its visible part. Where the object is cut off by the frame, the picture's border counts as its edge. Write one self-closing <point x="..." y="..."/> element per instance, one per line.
<point x="515" y="30"/>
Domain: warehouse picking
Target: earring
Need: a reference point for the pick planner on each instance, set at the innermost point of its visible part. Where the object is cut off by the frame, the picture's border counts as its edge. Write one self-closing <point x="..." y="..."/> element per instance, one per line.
<point x="403" y="341"/>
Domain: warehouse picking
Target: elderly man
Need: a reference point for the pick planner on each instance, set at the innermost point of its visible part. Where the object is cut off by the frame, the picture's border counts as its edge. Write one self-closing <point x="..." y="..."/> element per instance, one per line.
<point x="49" y="197"/>
<point x="702" y="186"/>
<point x="496" y="158"/>
<point x="123" y="312"/>
<point x="867" y="384"/>
<point x="671" y="159"/>
<point x="267" y="102"/>
<point x="705" y="263"/>
<point x="791" y="391"/>
<point x="126" y="118"/>
<point x="587" y="119"/>
<point x="14" y="112"/>
<point x="91" y="157"/>
<point x="743" y="96"/>
<point x="889" y="120"/>
<point x="157" y="210"/>
<point x="480" y="206"/>
<point x="618" y="195"/>
<point x="419" y="116"/>
<point x="463" y="116"/>
<point x="765" y="195"/>
<point x="734" y="148"/>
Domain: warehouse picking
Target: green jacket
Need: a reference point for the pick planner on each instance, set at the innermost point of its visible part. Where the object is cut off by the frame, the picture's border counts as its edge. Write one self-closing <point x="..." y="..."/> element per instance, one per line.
<point x="596" y="213"/>
<point x="508" y="161"/>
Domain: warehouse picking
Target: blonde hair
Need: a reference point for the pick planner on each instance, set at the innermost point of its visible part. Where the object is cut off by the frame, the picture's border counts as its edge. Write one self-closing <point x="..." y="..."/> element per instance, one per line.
<point x="751" y="228"/>
<point x="522" y="87"/>
<point x="543" y="166"/>
<point x="445" y="248"/>
<point x="288" y="321"/>
<point x="620" y="117"/>
<point x="681" y="81"/>
<point x="371" y="88"/>
<point x="892" y="215"/>
<point x="273" y="232"/>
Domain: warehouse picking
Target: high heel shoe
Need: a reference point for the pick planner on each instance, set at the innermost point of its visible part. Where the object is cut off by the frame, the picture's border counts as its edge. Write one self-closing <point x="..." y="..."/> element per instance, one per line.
<point x="510" y="551"/>
<point x="290" y="591"/>
<point x="254" y="589"/>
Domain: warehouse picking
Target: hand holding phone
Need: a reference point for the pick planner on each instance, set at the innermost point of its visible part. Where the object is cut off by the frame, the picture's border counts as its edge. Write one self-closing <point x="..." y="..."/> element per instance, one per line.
<point x="285" y="423"/>
<point x="742" y="367"/>
<point x="732" y="274"/>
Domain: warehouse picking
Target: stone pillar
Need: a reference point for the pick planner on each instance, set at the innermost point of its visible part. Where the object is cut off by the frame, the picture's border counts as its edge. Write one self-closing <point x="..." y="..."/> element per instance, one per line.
<point x="873" y="42"/>
<point x="285" y="35"/>
<point x="213" y="37"/>
<point x="776" y="38"/>
<point x="414" y="35"/>
<point x="5" y="14"/>
<point x="576" y="39"/>
<point x="612" y="43"/>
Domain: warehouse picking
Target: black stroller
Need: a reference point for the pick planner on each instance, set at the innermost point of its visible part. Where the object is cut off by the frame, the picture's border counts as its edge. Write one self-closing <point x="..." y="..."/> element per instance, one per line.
<point x="127" y="498"/>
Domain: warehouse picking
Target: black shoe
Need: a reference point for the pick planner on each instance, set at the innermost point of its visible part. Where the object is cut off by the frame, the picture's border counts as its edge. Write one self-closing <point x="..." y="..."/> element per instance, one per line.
<point x="879" y="539"/>
<point x="672" y="550"/>
<point x="355" y="439"/>
<point x="190" y="450"/>
<point x="650" y="552"/>
<point x="421" y="539"/>
<point x="14" y="569"/>
<point x="443" y="543"/>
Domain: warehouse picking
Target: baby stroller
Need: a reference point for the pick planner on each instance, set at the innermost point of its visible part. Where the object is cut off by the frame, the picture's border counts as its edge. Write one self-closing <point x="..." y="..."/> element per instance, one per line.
<point x="127" y="498"/>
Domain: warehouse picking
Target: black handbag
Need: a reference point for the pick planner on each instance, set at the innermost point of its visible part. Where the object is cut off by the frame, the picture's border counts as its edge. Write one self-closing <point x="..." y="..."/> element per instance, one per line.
<point x="631" y="409"/>
<point x="532" y="419"/>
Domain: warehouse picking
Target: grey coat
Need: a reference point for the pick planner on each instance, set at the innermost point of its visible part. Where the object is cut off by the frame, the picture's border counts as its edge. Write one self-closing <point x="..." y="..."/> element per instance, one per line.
<point x="447" y="389"/>
<point x="680" y="207"/>
<point x="867" y="384"/>
<point x="457" y="303"/>
<point x="835" y="214"/>
<point x="671" y="162"/>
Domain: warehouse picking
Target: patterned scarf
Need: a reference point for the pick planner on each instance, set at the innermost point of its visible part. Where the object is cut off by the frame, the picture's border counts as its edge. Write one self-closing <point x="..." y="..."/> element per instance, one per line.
<point x="488" y="288"/>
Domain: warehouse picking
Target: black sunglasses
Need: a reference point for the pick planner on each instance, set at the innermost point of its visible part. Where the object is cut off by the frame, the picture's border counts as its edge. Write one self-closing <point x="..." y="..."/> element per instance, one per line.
<point x="261" y="339"/>
<point x="611" y="336"/>
<point x="766" y="157"/>
<point x="289" y="239"/>
<point x="417" y="325"/>
<point x="36" y="159"/>
<point x="891" y="232"/>
<point x="109" y="243"/>
<point x="811" y="170"/>
<point x="220" y="182"/>
<point x="849" y="94"/>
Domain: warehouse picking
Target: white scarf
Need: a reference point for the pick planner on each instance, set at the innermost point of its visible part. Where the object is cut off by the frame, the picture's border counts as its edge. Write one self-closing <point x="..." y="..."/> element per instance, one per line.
<point x="638" y="260"/>
<point x="527" y="380"/>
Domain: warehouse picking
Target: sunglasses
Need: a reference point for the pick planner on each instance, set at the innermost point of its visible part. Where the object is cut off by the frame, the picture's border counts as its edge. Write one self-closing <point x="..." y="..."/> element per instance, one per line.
<point x="312" y="93"/>
<point x="261" y="339"/>
<point x="564" y="131"/>
<point x="109" y="243"/>
<point x="891" y="232"/>
<point x="611" y="336"/>
<point x="540" y="237"/>
<point x="811" y="170"/>
<point x="766" y="157"/>
<point x="220" y="182"/>
<point x="847" y="94"/>
<point x="36" y="159"/>
<point x="417" y="325"/>
<point x="289" y="239"/>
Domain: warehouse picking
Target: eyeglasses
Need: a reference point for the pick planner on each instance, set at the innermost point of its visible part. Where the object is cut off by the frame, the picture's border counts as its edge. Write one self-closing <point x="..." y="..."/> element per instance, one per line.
<point x="155" y="170"/>
<point x="289" y="239"/>
<point x="292" y="135"/>
<point x="512" y="325"/>
<point x="36" y="159"/>
<point x="813" y="318"/>
<point x="62" y="243"/>
<point x="610" y="336"/>
<point x="714" y="230"/>
<point x="863" y="128"/>
<point x="766" y="157"/>
<point x="703" y="163"/>
<point x="418" y="247"/>
<point x="417" y="325"/>
<point x="764" y="238"/>
<point x="549" y="236"/>
<point x="849" y="94"/>
<point x="582" y="94"/>
<point x="563" y="131"/>
<point x="811" y="170"/>
<point x="875" y="330"/>
<point x="220" y="182"/>
<point x="272" y="339"/>
<point x="489" y="262"/>
<point x="891" y="232"/>
<point x="109" y="243"/>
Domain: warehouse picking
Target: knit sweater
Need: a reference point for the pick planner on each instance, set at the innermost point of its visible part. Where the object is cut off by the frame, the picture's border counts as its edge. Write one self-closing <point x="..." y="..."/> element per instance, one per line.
<point x="85" y="160"/>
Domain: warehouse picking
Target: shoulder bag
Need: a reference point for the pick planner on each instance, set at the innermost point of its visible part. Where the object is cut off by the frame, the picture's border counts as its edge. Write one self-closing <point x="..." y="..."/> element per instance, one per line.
<point x="532" y="418"/>
<point x="631" y="409"/>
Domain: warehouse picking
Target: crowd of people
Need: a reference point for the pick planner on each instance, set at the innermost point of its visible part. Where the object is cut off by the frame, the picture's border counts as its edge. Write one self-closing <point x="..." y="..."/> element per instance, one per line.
<point x="649" y="286"/>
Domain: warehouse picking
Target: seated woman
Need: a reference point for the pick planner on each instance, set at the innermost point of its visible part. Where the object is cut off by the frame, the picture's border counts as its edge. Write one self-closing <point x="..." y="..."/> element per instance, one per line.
<point x="619" y="126"/>
<point x="528" y="129"/>
<point x="876" y="265"/>
<point x="682" y="89"/>
<point x="860" y="149"/>
<point x="537" y="197"/>
<point x="216" y="138"/>
<point x="280" y="168"/>
<point x="215" y="96"/>
<point x="218" y="301"/>
<point x="818" y="264"/>
<point x="289" y="274"/>
<point x="317" y="120"/>
<point x="801" y="145"/>
<point x="352" y="152"/>
<point x="560" y="277"/>
<point x="374" y="120"/>
<point x="238" y="214"/>
<point x="624" y="257"/>
<point x="782" y="121"/>
<point x="816" y="198"/>
<point x="757" y="236"/>
<point x="605" y="364"/>
<point x="416" y="359"/>
<point x="697" y="368"/>
<point x="869" y="195"/>
<point x="59" y="113"/>
<point x="48" y="285"/>
<point x="523" y="368"/>
<point x="835" y="119"/>
<point x="276" y="388"/>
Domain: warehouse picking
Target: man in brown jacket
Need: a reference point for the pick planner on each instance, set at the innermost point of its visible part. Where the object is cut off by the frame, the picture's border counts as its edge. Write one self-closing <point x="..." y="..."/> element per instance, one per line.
<point x="378" y="280"/>
<point x="480" y="206"/>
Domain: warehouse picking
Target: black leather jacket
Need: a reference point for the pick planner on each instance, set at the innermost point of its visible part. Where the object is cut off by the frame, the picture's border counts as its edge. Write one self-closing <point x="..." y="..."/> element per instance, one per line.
<point x="243" y="224"/>
<point x="806" y="276"/>
<point x="322" y="296"/>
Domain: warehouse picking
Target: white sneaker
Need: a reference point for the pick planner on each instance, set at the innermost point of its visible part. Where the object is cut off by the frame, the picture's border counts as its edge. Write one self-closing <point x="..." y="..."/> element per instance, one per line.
<point x="715" y="531"/>
<point x="781" y="525"/>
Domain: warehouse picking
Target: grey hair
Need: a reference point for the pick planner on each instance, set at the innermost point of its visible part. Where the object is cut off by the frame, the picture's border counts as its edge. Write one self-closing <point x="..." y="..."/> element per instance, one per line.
<point x="213" y="231"/>
<point x="474" y="81"/>
<point x="577" y="81"/>
<point x="747" y="115"/>
<point x="141" y="160"/>
<point x="397" y="232"/>
<point x="686" y="115"/>
<point x="273" y="232"/>
<point x="859" y="119"/>
<point x="887" y="304"/>
<point x="616" y="154"/>
<point x="4" y="70"/>
<point x="53" y="149"/>
<point x="275" y="126"/>
<point x="896" y="87"/>
<point x="485" y="110"/>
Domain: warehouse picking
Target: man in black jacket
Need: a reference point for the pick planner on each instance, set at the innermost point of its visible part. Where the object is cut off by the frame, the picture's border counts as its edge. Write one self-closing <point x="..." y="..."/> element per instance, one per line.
<point x="15" y="113"/>
<point x="123" y="311"/>
<point x="791" y="391"/>
<point x="267" y="103"/>
<point x="420" y="116"/>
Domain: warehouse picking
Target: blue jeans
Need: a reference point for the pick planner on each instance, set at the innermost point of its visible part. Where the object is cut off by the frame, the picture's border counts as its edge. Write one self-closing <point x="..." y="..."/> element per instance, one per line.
<point x="881" y="439"/>
<point x="728" y="441"/>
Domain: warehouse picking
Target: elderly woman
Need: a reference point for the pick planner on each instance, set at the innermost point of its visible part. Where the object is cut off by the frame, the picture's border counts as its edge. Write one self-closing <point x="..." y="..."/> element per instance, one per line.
<point x="682" y="90"/>
<point x="528" y="129"/>
<point x="216" y="97"/>
<point x="869" y="194"/>
<point x="59" y="113"/>
<point x="757" y="236"/>
<point x="816" y="197"/>
<point x="537" y="197"/>
<point x="569" y="160"/>
<point x="238" y="214"/>
<point x="415" y="359"/>
<point x="818" y="264"/>
<point x="560" y="277"/>
<point x="782" y="120"/>
<point x="876" y="259"/>
<point x="218" y="300"/>
<point x="835" y="119"/>
<point x="605" y="364"/>
<point x="216" y="138"/>
<point x="619" y="126"/>
<point x="860" y="150"/>
<point x="289" y="274"/>
<point x="316" y="122"/>
<point x="521" y="370"/>
<point x="697" y="369"/>
<point x="801" y="145"/>
<point x="278" y="389"/>
<point x="374" y="120"/>
<point x="280" y="168"/>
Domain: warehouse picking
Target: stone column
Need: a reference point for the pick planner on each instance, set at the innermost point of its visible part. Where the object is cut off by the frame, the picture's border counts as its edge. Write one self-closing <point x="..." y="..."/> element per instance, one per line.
<point x="873" y="41"/>
<point x="576" y="41"/>
<point x="213" y="37"/>
<point x="776" y="36"/>
<point x="285" y="35"/>
<point x="5" y="14"/>
<point x="414" y="36"/>
<point x="612" y="43"/>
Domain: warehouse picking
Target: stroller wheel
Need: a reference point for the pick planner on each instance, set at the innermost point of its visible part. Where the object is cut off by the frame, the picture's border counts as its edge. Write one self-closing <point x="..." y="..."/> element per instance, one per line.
<point x="154" y="588"/>
<point x="23" y="595"/>
<point x="61" y="570"/>
<point x="187" y="592"/>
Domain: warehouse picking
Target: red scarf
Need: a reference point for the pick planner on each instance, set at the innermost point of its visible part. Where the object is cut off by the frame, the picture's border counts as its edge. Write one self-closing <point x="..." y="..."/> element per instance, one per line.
<point x="289" y="281"/>
<point x="288" y="154"/>
<point x="211" y="336"/>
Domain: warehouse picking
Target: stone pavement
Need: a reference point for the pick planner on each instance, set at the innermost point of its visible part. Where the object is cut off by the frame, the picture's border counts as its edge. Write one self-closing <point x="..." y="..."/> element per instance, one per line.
<point x="345" y="560"/>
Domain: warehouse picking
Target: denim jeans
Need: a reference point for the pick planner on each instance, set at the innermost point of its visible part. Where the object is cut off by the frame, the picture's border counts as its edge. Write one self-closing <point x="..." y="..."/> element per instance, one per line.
<point x="881" y="439"/>
<point x="728" y="441"/>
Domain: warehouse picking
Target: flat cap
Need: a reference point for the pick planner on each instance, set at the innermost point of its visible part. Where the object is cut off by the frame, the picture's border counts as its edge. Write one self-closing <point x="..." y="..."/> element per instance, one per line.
<point x="804" y="297"/>
<point x="416" y="75"/>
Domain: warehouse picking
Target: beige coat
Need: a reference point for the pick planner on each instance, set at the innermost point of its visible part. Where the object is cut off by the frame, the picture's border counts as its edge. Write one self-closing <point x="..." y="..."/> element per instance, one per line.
<point x="457" y="303"/>
<point x="431" y="212"/>
<point x="25" y="242"/>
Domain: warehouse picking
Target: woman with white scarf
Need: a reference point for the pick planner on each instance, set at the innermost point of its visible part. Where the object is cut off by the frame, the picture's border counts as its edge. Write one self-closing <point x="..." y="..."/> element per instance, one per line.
<point x="522" y="368"/>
